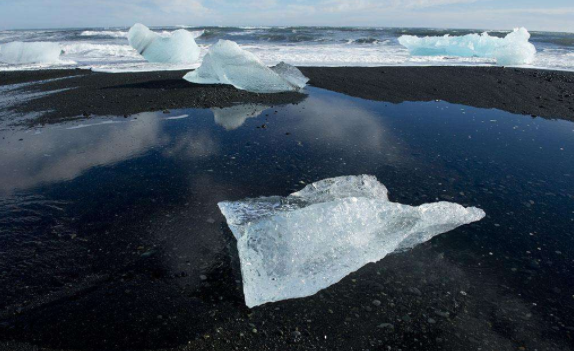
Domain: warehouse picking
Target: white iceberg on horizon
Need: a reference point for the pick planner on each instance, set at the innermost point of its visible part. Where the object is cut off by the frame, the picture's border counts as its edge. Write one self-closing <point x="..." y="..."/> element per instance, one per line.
<point x="295" y="246"/>
<point x="176" y="47"/>
<point x="18" y="52"/>
<point x="227" y="63"/>
<point x="512" y="50"/>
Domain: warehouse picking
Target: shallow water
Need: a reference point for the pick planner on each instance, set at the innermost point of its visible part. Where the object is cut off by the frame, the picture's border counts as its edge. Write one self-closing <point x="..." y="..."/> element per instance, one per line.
<point x="110" y="237"/>
<point x="107" y="49"/>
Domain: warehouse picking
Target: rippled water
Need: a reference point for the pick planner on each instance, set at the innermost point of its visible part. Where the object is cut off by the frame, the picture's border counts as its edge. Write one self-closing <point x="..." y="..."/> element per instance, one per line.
<point x="110" y="237"/>
<point x="107" y="49"/>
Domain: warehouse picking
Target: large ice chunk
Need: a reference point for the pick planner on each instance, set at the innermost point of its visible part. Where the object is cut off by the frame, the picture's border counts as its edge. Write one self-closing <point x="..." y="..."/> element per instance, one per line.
<point x="514" y="49"/>
<point x="227" y="63"/>
<point x="294" y="246"/>
<point x="18" y="52"/>
<point x="176" y="47"/>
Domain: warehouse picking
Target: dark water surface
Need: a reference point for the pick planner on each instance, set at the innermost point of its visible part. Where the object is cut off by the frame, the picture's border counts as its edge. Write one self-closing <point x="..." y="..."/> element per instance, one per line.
<point x="110" y="236"/>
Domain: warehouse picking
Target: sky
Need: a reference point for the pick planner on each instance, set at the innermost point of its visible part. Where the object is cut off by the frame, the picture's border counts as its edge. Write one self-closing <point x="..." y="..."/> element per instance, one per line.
<point x="550" y="15"/>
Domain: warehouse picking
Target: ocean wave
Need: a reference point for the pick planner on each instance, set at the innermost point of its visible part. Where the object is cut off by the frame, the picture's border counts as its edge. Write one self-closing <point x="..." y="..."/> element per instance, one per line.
<point x="106" y="49"/>
<point x="104" y="33"/>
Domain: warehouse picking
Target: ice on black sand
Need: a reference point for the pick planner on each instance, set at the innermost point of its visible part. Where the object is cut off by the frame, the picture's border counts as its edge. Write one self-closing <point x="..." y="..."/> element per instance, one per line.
<point x="227" y="63"/>
<point x="294" y="246"/>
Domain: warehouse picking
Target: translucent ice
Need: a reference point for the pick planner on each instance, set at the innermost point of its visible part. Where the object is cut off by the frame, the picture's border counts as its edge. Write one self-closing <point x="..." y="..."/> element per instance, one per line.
<point x="227" y="63"/>
<point x="295" y="246"/>
<point x="514" y="49"/>
<point x="291" y="74"/>
<point x="233" y="117"/>
<point x="18" y="52"/>
<point x="176" y="47"/>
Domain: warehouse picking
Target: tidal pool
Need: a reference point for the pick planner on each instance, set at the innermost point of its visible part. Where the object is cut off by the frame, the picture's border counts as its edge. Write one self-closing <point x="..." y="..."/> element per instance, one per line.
<point x="111" y="238"/>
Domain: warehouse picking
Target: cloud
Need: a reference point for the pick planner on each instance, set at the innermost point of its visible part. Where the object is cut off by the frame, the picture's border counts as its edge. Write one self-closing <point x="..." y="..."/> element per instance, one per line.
<point x="362" y="5"/>
<point x="179" y="6"/>
<point x="429" y="13"/>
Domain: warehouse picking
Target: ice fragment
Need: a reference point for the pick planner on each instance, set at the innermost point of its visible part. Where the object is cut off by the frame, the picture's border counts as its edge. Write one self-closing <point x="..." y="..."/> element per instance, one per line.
<point x="176" y="47"/>
<point x="227" y="63"/>
<point x="18" y="52"/>
<point x="514" y="49"/>
<point x="294" y="246"/>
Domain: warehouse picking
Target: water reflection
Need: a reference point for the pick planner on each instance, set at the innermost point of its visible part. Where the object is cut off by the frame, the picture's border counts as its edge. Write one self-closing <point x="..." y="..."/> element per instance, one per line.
<point x="234" y="117"/>
<point x="116" y="219"/>
<point x="29" y="158"/>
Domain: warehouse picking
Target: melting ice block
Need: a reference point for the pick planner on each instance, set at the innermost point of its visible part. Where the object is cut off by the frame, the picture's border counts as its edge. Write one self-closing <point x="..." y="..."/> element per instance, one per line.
<point x="295" y="246"/>
<point x="18" y="52"/>
<point x="514" y="49"/>
<point x="227" y="63"/>
<point x="176" y="47"/>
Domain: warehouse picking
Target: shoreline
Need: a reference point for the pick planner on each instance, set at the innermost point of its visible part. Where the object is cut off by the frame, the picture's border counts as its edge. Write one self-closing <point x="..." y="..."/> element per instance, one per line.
<point x="81" y="93"/>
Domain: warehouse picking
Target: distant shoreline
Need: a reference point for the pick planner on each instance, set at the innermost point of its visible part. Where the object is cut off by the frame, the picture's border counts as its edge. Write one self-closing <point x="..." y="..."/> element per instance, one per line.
<point x="543" y="93"/>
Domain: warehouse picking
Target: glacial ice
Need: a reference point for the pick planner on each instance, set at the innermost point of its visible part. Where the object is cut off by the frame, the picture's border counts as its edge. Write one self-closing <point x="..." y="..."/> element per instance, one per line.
<point x="227" y="63"/>
<point x="291" y="74"/>
<point x="233" y="117"/>
<point x="18" y="52"/>
<point x="176" y="47"/>
<point x="512" y="50"/>
<point x="294" y="246"/>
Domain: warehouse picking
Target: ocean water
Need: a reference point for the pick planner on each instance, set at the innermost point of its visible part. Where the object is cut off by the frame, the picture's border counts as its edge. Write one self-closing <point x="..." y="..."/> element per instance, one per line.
<point x="111" y="238"/>
<point x="107" y="49"/>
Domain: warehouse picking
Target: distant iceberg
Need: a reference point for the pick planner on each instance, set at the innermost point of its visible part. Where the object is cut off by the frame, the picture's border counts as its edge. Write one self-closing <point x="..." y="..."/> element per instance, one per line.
<point x="18" y="52"/>
<point x="295" y="246"/>
<point x="512" y="50"/>
<point x="176" y="47"/>
<point x="227" y="63"/>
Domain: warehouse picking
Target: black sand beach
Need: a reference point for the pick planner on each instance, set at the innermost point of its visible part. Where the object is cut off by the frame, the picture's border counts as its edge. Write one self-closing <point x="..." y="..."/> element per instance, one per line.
<point x="111" y="238"/>
<point x="548" y="94"/>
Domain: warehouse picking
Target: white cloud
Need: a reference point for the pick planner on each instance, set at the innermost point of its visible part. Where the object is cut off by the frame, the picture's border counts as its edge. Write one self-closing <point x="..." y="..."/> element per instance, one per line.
<point x="362" y="5"/>
<point x="178" y="6"/>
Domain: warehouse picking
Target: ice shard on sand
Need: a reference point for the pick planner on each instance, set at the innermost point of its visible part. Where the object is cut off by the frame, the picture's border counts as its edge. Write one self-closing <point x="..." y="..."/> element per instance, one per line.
<point x="294" y="246"/>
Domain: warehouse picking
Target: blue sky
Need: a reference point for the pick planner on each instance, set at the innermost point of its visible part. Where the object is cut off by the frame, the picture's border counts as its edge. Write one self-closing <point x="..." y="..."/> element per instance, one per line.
<point x="553" y="15"/>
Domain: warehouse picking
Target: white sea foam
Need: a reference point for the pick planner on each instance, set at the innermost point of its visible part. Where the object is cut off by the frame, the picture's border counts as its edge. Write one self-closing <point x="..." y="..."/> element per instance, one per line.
<point x="104" y="33"/>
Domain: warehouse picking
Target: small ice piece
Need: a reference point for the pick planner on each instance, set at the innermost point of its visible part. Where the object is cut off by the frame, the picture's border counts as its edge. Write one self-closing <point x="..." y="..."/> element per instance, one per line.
<point x="18" y="52"/>
<point x="294" y="246"/>
<point x="227" y="63"/>
<point x="512" y="50"/>
<point x="176" y="47"/>
<point x="233" y="117"/>
<point x="291" y="74"/>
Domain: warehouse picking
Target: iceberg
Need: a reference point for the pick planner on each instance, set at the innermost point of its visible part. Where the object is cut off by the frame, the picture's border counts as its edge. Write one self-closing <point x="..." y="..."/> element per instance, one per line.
<point x="176" y="47"/>
<point x="233" y="117"/>
<point x="227" y="63"/>
<point x="512" y="50"/>
<point x="295" y="246"/>
<point x="18" y="52"/>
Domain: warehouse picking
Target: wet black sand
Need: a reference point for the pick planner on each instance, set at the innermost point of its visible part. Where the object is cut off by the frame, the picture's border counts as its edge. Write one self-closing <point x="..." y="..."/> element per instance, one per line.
<point x="93" y="93"/>
<point x="540" y="93"/>
<point x="548" y="94"/>
<point x="131" y="253"/>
